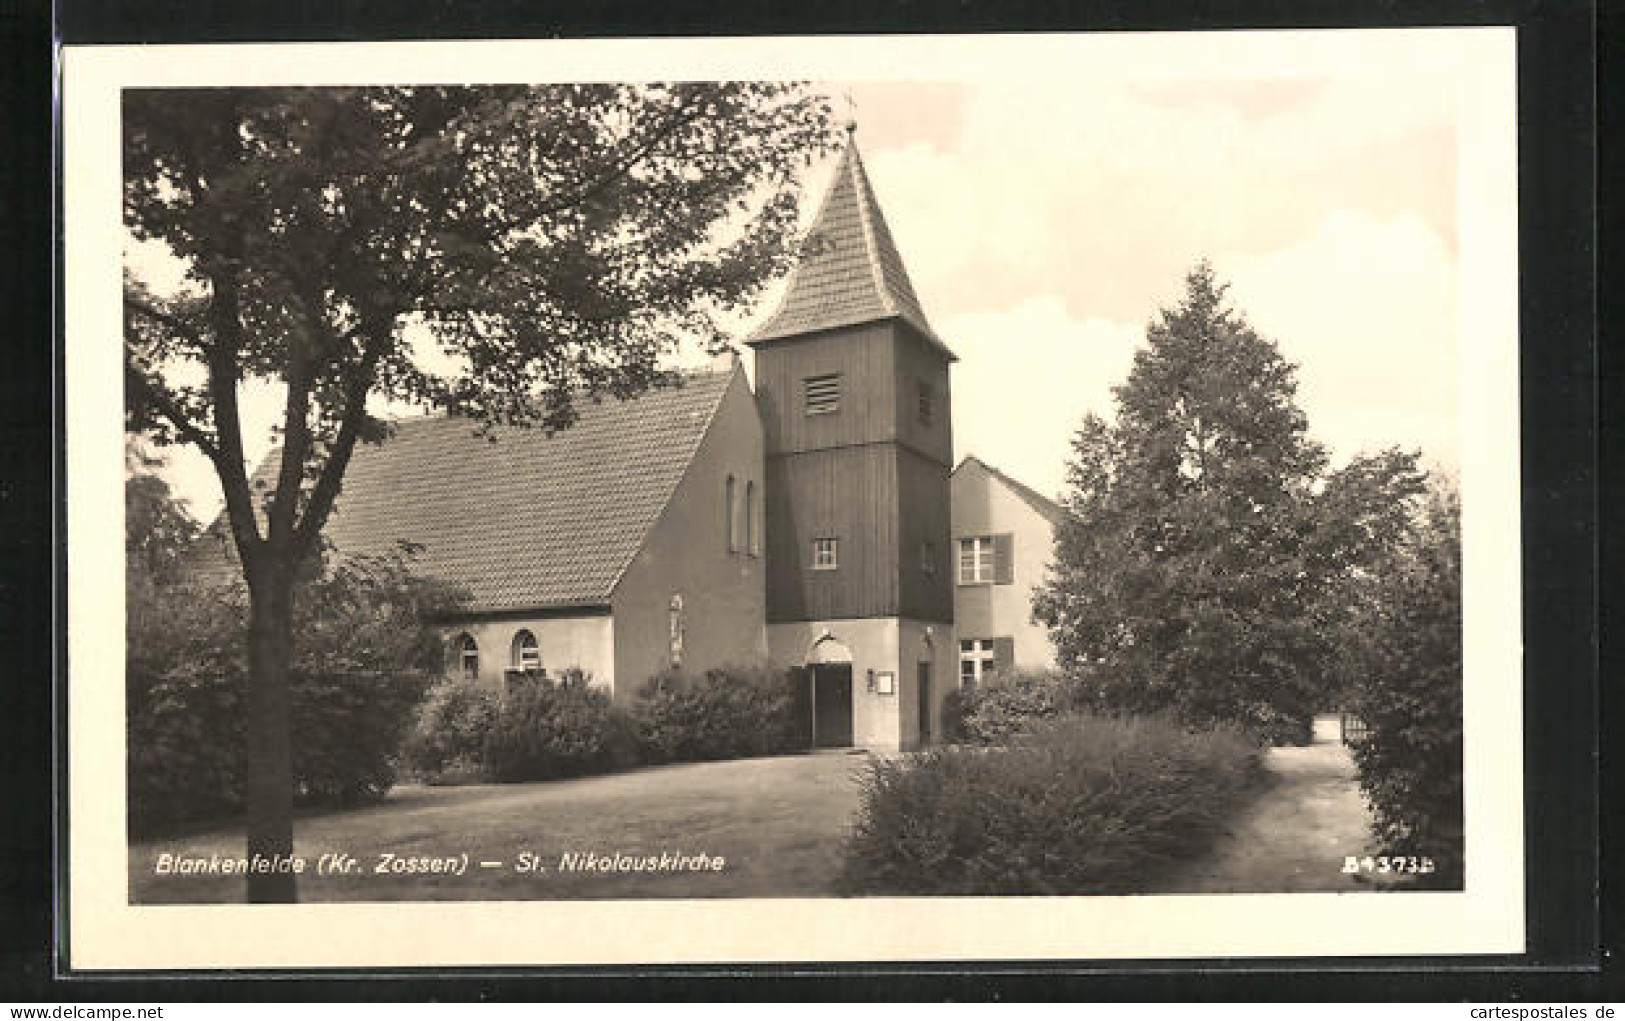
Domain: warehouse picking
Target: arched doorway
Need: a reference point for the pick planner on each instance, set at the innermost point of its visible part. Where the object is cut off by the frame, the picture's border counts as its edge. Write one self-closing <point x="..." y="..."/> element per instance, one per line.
<point x="823" y="695"/>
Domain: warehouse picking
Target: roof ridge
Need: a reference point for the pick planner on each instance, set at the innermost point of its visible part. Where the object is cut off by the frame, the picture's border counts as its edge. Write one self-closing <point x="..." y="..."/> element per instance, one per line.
<point x="858" y="276"/>
<point x="871" y="243"/>
<point x="677" y="483"/>
<point x="1038" y="501"/>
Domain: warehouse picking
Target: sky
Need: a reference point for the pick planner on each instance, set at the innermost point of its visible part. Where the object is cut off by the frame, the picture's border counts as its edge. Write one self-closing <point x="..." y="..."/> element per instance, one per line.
<point x="1045" y="221"/>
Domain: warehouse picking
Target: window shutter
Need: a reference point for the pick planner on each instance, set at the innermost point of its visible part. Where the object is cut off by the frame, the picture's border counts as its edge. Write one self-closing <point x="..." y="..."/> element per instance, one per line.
<point x="1004" y="570"/>
<point x="1004" y="653"/>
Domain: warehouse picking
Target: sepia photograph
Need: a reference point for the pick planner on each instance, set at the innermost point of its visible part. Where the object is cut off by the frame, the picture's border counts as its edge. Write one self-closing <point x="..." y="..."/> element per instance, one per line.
<point x="1017" y="488"/>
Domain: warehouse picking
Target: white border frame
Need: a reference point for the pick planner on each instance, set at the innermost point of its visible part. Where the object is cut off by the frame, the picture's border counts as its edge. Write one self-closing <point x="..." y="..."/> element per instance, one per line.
<point x="109" y="933"/>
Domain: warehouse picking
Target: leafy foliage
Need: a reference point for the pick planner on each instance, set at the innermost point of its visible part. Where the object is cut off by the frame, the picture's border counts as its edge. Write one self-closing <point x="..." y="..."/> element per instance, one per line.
<point x="365" y="648"/>
<point x="450" y="730"/>
<point x="546" y="729"/>
<point x="728" y="713"/>
<point x="498" y="251"/>
<point x="1076" y="805"/>
<point x="1008" y="702"/>
<point x="957" y="703"/>
<point x="1199" y="567"/>
<point x="1409" y="692"/>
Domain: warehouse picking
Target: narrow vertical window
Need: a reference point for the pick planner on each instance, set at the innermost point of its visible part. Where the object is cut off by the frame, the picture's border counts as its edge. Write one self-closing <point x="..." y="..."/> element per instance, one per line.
<point x="728" y="513"/>
<point x="753" y="534"/>
<point x="468" y="657"/>
<point x="927" y="401"/>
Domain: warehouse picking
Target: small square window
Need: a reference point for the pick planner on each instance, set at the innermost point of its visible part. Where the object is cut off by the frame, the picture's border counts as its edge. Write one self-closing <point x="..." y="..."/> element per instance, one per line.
<point x="822" y="394"/>
<point x="824" y="555"/>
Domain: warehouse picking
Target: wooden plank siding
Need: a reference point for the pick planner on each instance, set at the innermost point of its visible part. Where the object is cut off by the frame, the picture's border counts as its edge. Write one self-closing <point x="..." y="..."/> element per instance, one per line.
<point x="917" y="363"/>
<point x="844" y="493"/>
<point x="924" y="515"/>
<point x="872" y="475"/>
<point x="863" y="357"/>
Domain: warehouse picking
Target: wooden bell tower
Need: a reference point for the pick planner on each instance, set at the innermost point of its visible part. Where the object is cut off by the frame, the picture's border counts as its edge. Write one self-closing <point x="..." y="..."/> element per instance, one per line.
<point x="853" y="388"/>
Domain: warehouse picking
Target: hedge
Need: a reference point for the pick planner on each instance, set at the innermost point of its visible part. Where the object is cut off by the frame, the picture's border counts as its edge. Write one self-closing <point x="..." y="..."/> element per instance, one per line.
<point x="727" y="713"/>
<point x="1075" y="805"/>
<point x="185" y="739"/>
<point x="545" y="729"/>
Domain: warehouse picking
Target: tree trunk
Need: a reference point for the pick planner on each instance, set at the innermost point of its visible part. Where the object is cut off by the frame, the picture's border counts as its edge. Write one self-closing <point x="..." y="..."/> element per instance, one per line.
<point x="269" y="800"/>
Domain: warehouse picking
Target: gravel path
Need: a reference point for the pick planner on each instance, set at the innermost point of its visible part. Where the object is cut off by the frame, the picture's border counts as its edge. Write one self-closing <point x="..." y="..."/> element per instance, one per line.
<point x="1295" y="836"/>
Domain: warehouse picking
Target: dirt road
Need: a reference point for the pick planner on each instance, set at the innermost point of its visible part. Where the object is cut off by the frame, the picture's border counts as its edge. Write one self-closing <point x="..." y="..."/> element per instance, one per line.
<point x="1295" y="836"/>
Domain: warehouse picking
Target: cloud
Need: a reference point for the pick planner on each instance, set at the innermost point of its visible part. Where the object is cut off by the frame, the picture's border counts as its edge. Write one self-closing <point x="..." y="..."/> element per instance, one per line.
<point x="1025" y="379"/>
<point x="1104" y="192"/>
<point x="1366" y="305"/>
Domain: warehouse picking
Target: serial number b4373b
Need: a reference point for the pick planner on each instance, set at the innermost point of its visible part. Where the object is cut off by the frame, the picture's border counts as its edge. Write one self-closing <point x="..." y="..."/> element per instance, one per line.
<point x="1405" y="864"/>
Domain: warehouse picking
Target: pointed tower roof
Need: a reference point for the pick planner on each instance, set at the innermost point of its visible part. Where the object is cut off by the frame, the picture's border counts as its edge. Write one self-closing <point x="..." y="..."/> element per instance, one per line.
<point x="850" y="271"/>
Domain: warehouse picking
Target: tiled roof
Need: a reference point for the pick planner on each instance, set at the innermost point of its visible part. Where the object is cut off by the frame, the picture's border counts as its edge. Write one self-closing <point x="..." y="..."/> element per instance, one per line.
<point x="851" y="272"/>
<point x="1036" y="500"/>
<point x="525" y="521"/>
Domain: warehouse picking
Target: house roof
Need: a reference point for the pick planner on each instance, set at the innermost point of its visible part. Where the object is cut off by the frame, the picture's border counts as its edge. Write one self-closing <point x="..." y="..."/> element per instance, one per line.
<point x="850" y="271"/>
<point x="525" y="520"/>
<point x="1032" y="497"/>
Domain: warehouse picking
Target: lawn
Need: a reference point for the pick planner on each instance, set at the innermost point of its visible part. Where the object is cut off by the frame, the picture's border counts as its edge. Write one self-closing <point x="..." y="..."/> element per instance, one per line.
<point x="778" y="824"/>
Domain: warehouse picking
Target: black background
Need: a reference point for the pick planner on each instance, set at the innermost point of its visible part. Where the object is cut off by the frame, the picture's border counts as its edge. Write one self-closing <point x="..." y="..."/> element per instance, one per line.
<point x="1570" y="940"/>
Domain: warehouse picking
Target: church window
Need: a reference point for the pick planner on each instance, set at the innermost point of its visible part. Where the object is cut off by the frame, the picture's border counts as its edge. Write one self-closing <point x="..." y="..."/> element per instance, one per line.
<point x="753" y="534"/>
<point x="927" y="402"/>
<point x="975" y="661"/>
<point x="822" y="394"/>
<point x="468" y="656"/>
<point x="928" y="557"/>
<point x="730" y="512"/>
<point x="824" y="555"/>
<point x="527" y="652"/>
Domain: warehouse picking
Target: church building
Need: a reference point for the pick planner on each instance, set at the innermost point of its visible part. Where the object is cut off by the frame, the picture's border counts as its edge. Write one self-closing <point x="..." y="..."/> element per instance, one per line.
<point x="805" y="522"/>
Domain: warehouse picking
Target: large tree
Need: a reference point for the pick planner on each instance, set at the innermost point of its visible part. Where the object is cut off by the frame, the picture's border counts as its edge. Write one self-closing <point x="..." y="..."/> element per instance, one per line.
<point x="1205" y="537"/>
<point x="495" y="252"/>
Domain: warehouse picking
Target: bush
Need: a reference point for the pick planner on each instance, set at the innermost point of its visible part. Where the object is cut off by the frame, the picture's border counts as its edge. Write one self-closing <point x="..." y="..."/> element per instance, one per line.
<point x="728" y="713"/>
<point x="1075" y="805"/>
<point x="363" y="652"/>
<point x="546" y="729"/>
<point x="450" y="730"/>
<point x="1409" y="694"/>
<point x="185" y="733"/>
<point x="1010" y="701"/>
<point x="956" y="707"/>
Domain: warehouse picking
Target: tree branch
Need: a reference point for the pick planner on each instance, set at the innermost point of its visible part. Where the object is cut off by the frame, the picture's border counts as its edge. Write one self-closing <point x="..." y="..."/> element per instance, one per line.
<point x="159" y="397"/>
<point x="327" y="486"/>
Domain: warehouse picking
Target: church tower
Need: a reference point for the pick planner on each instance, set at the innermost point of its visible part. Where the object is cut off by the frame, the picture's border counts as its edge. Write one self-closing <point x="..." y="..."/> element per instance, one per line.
<point x="853" y="388"/>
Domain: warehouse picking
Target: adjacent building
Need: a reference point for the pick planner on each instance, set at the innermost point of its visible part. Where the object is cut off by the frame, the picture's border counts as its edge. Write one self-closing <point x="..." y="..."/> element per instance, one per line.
<point x="1004" y="534"/>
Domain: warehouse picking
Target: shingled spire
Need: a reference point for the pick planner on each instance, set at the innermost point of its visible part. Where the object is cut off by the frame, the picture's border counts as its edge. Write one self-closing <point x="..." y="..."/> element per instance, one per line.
<point x="850" y="271"/>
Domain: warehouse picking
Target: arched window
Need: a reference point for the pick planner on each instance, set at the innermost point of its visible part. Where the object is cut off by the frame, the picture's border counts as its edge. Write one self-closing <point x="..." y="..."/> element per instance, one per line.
<point x="527" y="653"/>
<point x="468" y="656"/>
<point x="753" y="534"/>
<point x="729" y="512"/>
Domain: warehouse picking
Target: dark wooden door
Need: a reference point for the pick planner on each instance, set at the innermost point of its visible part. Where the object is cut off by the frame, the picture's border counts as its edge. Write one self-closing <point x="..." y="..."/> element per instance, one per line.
<point x="832" y="705"/>
<point x="925" y="703"/>
<point x="801" y="719"/>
